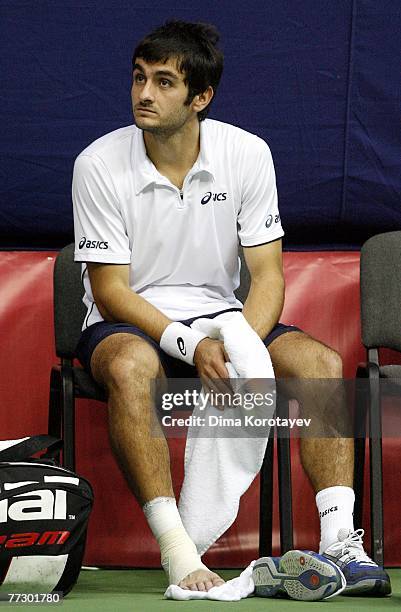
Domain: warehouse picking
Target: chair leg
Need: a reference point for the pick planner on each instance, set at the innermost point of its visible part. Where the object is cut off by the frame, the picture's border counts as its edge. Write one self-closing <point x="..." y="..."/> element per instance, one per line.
<point x="68" y="409"/>
<point x="266" y="500"/>
<point x="284" y="481"/>
<point x="376" y="470"/>
<point x="359" y="447"/>
<point x="55" y="415"/>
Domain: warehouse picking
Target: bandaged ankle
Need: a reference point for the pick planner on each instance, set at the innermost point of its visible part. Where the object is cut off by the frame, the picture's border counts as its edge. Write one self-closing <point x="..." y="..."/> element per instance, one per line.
<point x="162" y="515"/>
<point x="179" y="556"/>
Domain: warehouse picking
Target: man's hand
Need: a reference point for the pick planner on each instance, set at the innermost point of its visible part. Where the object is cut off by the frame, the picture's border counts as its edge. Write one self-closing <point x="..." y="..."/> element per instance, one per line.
<point x="209" y="359"/>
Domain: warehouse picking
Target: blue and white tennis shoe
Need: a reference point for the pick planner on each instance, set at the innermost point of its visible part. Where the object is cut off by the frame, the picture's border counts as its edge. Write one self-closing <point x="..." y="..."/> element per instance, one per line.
<point x="299" y="574"/>
<point x="363" y="576"/>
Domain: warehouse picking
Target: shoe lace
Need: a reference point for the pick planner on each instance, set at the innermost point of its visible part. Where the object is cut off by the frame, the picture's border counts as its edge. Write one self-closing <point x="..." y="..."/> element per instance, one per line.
<point x="351" y="548"/>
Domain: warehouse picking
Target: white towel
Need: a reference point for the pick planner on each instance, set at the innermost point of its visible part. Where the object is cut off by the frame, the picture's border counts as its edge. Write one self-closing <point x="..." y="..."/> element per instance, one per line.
<point x="232" y="590"/>
<point x="218" y="470"/>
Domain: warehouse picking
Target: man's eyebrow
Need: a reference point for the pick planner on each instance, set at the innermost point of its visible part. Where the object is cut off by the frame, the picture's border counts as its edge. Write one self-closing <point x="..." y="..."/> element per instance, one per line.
<point x="165" y="73"/>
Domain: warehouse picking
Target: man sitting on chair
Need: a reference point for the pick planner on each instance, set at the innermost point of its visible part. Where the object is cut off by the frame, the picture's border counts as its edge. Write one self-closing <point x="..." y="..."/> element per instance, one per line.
<point x="159" y="208"/>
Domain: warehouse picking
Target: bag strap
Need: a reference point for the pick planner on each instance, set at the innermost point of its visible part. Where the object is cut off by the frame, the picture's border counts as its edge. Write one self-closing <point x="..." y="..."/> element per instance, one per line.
<point x="25" y="449"/>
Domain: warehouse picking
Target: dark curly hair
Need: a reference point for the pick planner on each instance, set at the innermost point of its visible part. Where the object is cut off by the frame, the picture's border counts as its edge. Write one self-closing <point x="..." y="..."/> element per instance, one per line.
<point x="194" y="46"/>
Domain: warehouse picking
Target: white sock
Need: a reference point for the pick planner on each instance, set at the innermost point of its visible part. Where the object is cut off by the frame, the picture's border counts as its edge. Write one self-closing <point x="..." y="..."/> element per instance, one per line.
<point x="178" y="553"/>
<point x="336" y="507"/>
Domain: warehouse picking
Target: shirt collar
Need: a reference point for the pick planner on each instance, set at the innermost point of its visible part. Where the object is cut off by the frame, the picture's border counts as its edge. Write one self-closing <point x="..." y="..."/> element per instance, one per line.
<point x="145" y="172"/>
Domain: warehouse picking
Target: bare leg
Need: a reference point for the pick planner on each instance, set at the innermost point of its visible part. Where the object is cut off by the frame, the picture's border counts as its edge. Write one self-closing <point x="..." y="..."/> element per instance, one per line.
<point x="327" y="461"/>
<point x="125" y="365"/>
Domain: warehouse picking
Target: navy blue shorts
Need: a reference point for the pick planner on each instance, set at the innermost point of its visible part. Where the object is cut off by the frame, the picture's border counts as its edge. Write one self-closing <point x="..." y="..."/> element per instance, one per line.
<point x="173" y="368"/>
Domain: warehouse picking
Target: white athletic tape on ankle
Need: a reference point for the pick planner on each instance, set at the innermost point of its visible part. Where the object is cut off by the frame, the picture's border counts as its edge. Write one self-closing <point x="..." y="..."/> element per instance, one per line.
<point x="179" y="556"/>
<point x="162" y="515"/>
<point x="180" y="341"/>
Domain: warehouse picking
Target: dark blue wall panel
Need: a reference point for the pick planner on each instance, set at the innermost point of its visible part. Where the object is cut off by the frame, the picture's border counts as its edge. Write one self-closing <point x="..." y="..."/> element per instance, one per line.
<point x="319" y="80"/>
<point x="372" y="194"/>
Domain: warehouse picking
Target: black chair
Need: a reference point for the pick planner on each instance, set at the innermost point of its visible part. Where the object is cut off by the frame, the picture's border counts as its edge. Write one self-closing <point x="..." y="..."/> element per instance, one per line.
<point x="69" y="381"/>
<point x="380" y="286"/>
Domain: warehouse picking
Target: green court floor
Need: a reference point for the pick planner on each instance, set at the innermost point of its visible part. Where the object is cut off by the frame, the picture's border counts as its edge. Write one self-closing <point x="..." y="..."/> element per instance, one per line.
<point x="142" y="591"/>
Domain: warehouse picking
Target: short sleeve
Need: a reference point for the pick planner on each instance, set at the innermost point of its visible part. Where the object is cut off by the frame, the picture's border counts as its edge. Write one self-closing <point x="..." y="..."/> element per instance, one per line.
<point x="258" y="218"/>
<point x="100" y="234"/>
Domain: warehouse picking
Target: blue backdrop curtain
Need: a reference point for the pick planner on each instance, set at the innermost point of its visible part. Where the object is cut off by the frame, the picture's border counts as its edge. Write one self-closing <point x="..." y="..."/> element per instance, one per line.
<point x="318" y="80"/>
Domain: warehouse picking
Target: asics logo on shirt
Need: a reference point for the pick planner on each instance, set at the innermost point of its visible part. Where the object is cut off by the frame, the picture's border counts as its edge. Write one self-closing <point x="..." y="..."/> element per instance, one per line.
<point x="92" y="244"/>
<point x="270" y="219"/>
<point x="181" y="346"/>
<point x="215" y="197"/>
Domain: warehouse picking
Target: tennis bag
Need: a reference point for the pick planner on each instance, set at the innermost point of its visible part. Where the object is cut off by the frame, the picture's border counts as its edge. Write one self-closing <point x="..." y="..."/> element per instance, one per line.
<point x="44" y="512"/>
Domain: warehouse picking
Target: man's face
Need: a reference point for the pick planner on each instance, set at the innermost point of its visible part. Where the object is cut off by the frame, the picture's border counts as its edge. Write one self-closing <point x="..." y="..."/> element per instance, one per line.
<point x="158" y="97"/>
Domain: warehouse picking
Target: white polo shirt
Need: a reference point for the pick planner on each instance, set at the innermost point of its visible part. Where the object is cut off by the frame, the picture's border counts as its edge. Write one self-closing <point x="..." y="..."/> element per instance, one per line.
<point x="182" y="247"/>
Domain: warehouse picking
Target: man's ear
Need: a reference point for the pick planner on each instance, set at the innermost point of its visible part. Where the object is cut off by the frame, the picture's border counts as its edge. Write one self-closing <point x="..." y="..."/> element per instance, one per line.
<point x="201" y="100"/>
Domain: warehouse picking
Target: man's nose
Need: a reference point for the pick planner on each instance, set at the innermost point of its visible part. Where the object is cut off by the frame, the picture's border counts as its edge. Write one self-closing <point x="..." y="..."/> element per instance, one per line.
<point x="147" y="92"/>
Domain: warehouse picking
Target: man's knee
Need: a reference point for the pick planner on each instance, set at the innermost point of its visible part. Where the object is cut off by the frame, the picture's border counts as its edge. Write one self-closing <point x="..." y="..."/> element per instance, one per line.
<point x="320" y="361"/>
<point x="329" y="363"/>
<point x="131" y="362"/>
<point x="298" y="355"/>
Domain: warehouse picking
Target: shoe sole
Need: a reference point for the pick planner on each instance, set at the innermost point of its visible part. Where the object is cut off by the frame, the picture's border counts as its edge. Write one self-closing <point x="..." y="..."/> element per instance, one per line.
<point x="301" y="576"/>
